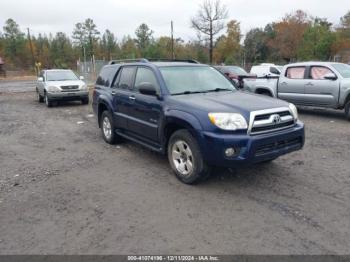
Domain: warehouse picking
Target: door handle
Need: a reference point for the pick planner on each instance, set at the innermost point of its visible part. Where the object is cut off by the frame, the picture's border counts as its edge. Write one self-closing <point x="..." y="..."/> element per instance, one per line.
<point x="132" y="98"/>
<point x="283" y="83"/>
<point x="309" y="84"/>
<point x="113" y="93"/>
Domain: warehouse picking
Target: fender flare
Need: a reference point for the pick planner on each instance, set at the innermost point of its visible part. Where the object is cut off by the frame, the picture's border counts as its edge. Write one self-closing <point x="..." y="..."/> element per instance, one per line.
<point x="181" y="118"/>
<point x="105" y="101"/>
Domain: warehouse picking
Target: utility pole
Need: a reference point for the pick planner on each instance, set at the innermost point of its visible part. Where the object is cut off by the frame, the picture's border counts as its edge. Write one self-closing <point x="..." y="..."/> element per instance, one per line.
<point x="172" y="41"/>
<point x="31" y="50"/>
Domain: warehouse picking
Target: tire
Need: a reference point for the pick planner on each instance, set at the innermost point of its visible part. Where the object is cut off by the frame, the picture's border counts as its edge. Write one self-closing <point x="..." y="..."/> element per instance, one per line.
<point x="108" y="128"/>
<point x="47" y="101"/>
<point x="39" y="97"/>
<point x="347" y="110"/>
<point x="186" y="159"/>
<point x="85" y="101"/>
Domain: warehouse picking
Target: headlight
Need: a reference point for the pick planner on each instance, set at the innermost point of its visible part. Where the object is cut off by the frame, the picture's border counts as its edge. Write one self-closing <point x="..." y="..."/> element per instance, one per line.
<point x="84" y="87"/>
<point x="53" y="89"/>
<point x="228" y="121"/>
<point x="294" y="110"/>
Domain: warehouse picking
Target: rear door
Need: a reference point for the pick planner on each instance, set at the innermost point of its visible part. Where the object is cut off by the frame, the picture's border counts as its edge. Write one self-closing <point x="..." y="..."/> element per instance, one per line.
<point x="123" y="98"/>
<point x="291" y="85"/>
<point x="320" y="91"/>
<point x="146" y="111"/>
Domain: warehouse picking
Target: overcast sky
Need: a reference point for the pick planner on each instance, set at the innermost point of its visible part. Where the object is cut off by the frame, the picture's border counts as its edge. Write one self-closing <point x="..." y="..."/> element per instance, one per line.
<point x="123" y="16"/>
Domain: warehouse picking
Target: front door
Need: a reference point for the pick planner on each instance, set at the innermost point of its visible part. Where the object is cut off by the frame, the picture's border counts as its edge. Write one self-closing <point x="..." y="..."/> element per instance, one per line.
<point x="144" y="115"/>
<point x="320" y="91"/>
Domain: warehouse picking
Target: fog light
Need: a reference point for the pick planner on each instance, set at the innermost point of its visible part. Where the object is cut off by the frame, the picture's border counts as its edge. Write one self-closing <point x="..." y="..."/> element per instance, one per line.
<point x="229" y="152"/>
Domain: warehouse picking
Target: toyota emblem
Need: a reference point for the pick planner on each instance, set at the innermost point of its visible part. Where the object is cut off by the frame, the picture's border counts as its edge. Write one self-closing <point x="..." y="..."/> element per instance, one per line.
<point x="276" y="119"/>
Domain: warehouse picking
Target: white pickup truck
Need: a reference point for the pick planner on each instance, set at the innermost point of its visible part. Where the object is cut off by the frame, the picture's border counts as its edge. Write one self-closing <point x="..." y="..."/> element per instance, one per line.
<point x="318" y="84"/>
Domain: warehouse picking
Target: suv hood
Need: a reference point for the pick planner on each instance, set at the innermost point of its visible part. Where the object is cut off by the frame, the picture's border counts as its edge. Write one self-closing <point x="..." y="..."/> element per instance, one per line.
<point x="231" y="102"/>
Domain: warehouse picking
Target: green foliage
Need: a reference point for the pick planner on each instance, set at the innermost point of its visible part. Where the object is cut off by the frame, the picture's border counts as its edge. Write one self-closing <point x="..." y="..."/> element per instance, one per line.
<point x="297" y="36"/>
<point x="143" y="38"/>
<point x="317" y="41"/>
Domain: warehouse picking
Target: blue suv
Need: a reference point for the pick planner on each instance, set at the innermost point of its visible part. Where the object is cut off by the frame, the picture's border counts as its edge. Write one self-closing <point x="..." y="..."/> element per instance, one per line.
<point x="194" y="114"/>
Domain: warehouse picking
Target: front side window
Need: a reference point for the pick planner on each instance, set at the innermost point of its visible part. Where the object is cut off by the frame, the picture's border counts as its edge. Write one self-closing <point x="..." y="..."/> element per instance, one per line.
<point x="145" y="75"/>
<point x="60" y="75"/>
<point x="319" y="72"/>
<point x="295" y="72"/>
<point x="194" y="79"/>
<point x="126" y="78"/>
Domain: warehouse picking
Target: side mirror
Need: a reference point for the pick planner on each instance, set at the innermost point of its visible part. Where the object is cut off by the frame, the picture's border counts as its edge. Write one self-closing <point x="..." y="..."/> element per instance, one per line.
<point x="146" y="88"/>
<point x="40" y="79"/>
<point x="81" y="78"/>
<point x="330" y="76"/>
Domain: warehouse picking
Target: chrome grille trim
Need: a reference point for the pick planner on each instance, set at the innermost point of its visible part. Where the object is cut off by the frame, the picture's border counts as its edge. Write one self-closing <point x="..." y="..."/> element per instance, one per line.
<point x="285" y="119"/>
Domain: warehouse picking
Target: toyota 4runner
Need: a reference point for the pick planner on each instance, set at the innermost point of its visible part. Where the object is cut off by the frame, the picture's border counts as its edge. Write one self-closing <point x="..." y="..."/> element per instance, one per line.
<point x="194" y="114"/>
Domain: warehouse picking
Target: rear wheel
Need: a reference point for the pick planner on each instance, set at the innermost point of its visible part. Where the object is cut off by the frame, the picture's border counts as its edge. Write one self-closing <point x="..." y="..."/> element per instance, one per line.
<point x="347" y="110"/>
<point x="108" y="128"/>
<point x="265" y="93"/>
<point x="186" y="159"/>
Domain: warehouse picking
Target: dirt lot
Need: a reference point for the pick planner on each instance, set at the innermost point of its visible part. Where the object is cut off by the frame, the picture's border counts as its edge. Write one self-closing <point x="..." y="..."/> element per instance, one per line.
<point x="64" y="190"/>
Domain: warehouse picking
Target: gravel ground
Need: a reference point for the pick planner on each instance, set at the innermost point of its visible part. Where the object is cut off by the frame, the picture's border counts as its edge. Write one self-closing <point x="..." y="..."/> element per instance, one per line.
<point x="64" y="190"/>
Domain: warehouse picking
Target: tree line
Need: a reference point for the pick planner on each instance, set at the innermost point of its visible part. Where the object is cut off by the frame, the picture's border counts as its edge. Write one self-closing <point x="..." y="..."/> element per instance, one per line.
<point x="297" y="36"/>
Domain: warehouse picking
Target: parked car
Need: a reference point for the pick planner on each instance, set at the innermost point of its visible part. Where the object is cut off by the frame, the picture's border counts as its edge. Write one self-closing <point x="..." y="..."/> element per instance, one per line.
<point x="61" y="85"/>
<point x="266" y="69"/>
<point x="194" y="114"/>
<point x="319" y="84"/>
<point x="235" y="74"/>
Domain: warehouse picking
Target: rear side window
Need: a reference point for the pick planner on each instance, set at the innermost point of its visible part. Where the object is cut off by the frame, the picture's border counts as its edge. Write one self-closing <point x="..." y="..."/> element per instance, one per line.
<point x="145" y="75"/>
<point x="319" y="72"/>
<point x="106" y="76"/>
<point x="295" y="72"/>
<point x="127" y="77"/>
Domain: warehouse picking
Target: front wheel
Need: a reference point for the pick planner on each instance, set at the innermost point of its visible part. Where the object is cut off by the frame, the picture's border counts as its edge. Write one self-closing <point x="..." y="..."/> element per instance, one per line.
<point x="39" y="97"/>
<point x="186" y="159"/>
<point x="85" y="101"/>
<point x="47" y="100"/>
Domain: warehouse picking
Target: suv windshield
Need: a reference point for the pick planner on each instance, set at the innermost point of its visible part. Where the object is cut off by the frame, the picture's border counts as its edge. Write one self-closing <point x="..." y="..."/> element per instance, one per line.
<point x="194" y="79"/>
<point x="343" y="69"/>
<point x="60" y="75"/>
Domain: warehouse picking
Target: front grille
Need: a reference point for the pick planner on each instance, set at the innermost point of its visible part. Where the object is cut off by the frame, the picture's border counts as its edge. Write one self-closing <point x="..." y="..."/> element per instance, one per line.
<point x="266" y="116"/>
<point x="268" y="122"/>
<point x="267" y="148"/>
<point x="69" y="87"/>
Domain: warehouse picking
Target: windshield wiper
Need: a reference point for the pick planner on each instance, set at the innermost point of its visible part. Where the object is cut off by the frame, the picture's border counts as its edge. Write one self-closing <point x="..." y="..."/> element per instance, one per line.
<point x="188" y="93"/>
<point x="219" y="89"/>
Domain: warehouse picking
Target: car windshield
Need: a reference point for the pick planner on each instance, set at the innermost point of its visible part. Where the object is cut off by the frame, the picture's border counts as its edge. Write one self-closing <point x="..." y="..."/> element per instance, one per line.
<point x="194" y="79"/>
<point x="343" y="69"/>
<point x="237" y="70"/>
<point x="60" y="75"/>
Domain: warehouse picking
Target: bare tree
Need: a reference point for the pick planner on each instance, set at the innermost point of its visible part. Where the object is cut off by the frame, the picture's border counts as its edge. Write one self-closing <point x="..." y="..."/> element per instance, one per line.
<point x="210" y="21"/>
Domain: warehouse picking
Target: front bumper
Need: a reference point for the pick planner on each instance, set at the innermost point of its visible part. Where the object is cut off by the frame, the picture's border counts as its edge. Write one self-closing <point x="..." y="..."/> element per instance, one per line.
<point x="68" y="96"/>
<point x="252" y="148"/>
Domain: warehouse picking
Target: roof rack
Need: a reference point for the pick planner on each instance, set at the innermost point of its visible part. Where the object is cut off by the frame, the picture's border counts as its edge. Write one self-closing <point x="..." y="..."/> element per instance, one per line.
<point x="122" y="61"/>
<point x="192" y="61"/>
<point x="144" y="60"/>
